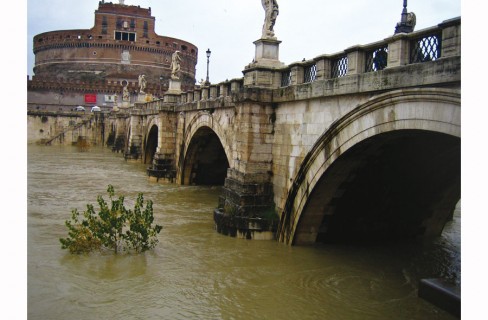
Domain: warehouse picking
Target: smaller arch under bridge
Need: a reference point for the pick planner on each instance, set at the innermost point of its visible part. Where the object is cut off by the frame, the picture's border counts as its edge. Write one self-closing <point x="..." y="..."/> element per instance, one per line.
<point x="369" y="155"/>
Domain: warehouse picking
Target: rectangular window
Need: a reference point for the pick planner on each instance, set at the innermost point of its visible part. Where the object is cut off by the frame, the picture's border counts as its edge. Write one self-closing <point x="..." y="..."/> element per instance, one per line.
<point x="309" y="73"/>
<point x="146" y="28"/>
<point x="377" y="59"/>
<point x="104" y="25"/>
<point x="286" y="78"/>
<point x="339" y="67"/>
<point x="125" y="36"/>
<point x="426" y="49"/>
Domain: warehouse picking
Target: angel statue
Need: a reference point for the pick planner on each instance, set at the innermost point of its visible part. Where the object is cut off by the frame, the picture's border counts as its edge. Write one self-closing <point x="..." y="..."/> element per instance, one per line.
<point x="271" y="12"/>
<point x="125" y="93"/>
<point x="175" y="65"/>
<point x="142" y="83"/>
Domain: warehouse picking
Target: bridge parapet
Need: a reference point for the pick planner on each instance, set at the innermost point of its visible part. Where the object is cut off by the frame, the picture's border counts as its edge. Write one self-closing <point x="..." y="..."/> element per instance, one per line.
<point x="430" y="44"/>
<point x="360" y="68"/>
<point x="151" y="108"/>
<point x="224" y="89"/>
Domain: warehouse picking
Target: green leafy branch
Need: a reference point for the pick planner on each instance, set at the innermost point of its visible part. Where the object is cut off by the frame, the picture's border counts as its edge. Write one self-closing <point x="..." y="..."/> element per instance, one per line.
<point x="113" y="228"/>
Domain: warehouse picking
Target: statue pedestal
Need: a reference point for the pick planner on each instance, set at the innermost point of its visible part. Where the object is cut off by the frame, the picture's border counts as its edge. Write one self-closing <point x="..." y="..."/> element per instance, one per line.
<point x="263" y="71"/>
<point x="125" y="104"/>
<point x="141" y="97"/>
<point x="267" y="53"/>
<point x="174" y="86"/>
<point x="174" y="91"/>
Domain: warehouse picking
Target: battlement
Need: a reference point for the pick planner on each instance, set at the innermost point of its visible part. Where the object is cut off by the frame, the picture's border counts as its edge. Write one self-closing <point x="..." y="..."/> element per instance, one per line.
<point x="109" y="7"/>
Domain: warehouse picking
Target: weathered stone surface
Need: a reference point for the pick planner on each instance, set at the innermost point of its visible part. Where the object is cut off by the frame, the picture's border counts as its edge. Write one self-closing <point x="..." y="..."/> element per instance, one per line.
<point x="284" y="148"/>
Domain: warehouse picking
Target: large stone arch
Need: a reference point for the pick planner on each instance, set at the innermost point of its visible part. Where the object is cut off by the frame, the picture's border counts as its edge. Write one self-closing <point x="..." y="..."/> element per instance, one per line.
<point x="203" y="123"/>
<point x="432" y="110"/>
<point x="151" y="139"/>
<point x="151" y="144"/>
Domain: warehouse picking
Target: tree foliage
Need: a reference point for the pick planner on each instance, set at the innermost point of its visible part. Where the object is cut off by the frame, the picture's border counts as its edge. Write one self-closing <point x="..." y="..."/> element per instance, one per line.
<point x="113" y="228"/>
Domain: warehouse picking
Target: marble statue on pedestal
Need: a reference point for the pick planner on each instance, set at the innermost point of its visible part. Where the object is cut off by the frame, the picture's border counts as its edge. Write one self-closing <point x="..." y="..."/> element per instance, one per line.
<point x="271" y="12"/>
<point x="175" y="65"/>
<point x="125" y="94"/>
<point x="142" y="83"/>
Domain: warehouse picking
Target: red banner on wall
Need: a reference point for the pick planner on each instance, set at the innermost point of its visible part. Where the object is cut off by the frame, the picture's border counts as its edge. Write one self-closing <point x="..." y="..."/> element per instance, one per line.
<point x="90" y="98"/>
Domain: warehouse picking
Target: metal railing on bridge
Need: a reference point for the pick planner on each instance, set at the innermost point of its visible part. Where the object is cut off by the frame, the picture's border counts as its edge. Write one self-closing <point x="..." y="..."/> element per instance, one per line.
<point x="416" y="47"/>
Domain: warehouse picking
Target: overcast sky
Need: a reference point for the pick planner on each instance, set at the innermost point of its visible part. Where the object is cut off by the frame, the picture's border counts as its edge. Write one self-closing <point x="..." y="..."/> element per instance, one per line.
<point x="308" y="28"/>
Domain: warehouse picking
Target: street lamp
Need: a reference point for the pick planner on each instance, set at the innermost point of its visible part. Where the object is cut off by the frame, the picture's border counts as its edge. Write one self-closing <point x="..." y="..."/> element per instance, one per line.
<point x="405" y="26"/>
<point x="207" y="82"/>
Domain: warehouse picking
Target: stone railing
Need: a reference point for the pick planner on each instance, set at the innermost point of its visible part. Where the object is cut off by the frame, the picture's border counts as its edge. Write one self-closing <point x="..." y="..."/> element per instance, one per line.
<point x="151" y="107"/>
<point x="430" y="44"/>
<point x="206" y="97"/>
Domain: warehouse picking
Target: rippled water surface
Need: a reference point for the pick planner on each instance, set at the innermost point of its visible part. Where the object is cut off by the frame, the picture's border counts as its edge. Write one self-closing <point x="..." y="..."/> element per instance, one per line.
<point x="196" y="273"/>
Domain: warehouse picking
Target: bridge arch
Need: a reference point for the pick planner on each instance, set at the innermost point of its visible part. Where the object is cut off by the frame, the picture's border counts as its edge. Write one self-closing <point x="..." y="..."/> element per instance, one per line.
<point x="343" y="168"/>
<point x="205" y="156"/>
<point x="151" y="140"/>
<point x="151" y="144"/>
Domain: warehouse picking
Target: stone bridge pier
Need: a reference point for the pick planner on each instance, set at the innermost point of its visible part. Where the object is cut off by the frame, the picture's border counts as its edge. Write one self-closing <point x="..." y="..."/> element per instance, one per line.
<point x="135" y="135"/>
<point x="151" y="139"/>
<point x="229" y="143"/>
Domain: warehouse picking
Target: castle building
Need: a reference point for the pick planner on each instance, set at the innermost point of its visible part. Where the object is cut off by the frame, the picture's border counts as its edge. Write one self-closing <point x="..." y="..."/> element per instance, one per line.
<point x="120" y="46"/>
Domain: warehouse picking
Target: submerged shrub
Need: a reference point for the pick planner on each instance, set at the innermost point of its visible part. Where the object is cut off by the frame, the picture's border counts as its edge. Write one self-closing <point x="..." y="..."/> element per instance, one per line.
<point x="113" y="228"/>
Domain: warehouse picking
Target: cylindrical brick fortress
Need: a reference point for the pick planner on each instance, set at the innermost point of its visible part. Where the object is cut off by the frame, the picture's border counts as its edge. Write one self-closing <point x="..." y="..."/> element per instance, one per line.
<point x="121" y="46"/>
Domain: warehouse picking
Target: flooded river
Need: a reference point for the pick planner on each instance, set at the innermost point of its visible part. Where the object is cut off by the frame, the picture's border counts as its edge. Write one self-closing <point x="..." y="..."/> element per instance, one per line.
<point x="196" y="273"/>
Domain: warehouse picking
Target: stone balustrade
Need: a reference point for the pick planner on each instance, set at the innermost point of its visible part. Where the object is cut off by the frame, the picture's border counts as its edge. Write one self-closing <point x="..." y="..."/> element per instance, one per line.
<point x="431" y="44"/>
<point x="354" y="69"/>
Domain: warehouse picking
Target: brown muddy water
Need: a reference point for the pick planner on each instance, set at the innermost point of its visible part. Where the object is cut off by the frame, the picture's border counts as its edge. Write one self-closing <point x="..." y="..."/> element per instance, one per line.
<point x="196" y="273"/>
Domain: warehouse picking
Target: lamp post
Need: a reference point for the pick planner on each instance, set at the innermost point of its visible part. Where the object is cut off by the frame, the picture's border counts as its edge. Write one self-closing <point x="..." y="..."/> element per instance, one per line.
<point x="207" y="82"/>
<point x="406" y="24"/>
<point x="404" y="12"/>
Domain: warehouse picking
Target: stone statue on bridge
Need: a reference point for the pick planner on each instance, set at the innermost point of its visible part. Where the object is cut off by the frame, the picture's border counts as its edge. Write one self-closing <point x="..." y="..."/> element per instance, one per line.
<point x="125" y="93"/>
<point x="142" y="83"/>
<point x="271" y="12"/>
<point x="175" y="65"/>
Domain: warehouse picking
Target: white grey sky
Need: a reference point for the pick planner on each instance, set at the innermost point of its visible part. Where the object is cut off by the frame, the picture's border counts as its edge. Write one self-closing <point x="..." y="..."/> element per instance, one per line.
<point x="308" y="28"/>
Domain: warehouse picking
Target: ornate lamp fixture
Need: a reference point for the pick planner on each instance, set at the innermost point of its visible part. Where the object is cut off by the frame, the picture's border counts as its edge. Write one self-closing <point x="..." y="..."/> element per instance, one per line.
<point x="208" y="52"/>
<point x="407" y="22"/>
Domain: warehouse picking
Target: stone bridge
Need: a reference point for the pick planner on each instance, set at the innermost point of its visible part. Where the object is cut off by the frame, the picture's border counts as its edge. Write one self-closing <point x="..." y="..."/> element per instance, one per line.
<point x="361" y="144"/>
